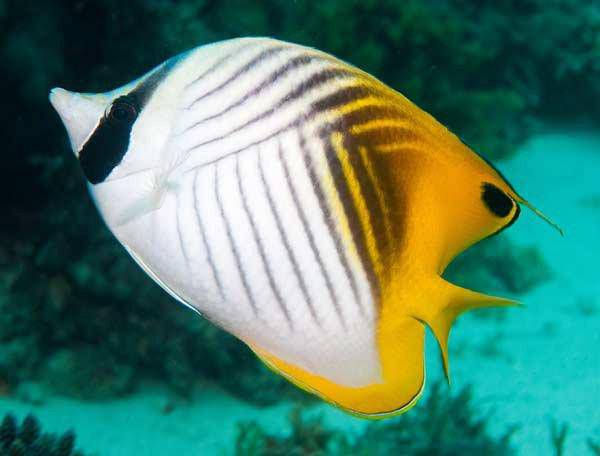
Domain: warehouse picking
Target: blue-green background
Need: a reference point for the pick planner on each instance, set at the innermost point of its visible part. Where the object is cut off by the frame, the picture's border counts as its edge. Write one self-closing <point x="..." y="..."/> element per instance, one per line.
<point x="88" y="342"/>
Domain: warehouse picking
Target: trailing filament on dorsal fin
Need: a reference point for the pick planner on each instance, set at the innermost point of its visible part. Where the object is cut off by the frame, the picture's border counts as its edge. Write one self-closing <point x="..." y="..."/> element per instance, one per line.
<point x="519" y="199"/>
<point x="448" y="302"/>
<point x="543" y="216"/>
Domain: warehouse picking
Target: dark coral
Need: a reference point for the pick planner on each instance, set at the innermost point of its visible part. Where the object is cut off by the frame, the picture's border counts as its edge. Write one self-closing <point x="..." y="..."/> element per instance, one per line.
<point x="308" y="436"/>
<point x="558" y="437"/>
<point x="27" y="439"/>
<point x="444" y="425"/>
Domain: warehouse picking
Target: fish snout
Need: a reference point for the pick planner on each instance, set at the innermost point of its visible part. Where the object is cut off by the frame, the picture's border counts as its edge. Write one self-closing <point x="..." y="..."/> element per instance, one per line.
<point x="80" y="114"/>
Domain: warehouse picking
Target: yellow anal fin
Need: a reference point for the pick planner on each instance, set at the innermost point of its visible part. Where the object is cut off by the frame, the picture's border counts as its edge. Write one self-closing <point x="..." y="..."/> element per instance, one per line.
<point x="398" y="389"/>
<point x="448" y="301"/>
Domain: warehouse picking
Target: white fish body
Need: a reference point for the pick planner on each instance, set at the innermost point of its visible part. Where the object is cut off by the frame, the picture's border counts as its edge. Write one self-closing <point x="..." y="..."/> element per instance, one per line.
<point x="221" y="211"/>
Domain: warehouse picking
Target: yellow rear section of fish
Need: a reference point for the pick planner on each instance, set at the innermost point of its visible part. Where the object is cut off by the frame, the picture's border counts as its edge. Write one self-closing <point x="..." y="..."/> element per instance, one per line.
<point x="400" y="175"/>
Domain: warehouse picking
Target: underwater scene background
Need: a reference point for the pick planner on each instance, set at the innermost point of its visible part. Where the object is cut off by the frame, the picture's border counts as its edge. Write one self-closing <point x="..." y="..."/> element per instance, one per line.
<point x="91" y="347"/>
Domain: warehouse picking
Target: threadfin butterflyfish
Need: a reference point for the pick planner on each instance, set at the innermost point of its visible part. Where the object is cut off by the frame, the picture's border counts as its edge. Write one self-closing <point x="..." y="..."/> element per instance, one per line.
<point x="298" y="203"/>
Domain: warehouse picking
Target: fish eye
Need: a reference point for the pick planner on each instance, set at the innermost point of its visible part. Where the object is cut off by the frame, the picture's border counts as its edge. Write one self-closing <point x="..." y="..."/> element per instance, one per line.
<point x="498" y="202"/>
<point x="123" y="111"/>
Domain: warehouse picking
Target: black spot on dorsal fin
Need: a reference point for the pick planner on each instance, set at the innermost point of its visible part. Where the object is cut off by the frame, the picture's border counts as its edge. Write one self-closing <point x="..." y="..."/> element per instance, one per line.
<point x="498" y="202"/>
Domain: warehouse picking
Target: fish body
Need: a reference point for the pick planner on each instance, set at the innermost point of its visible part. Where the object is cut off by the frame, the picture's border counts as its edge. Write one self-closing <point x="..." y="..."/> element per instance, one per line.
<point x="298" y="203"/>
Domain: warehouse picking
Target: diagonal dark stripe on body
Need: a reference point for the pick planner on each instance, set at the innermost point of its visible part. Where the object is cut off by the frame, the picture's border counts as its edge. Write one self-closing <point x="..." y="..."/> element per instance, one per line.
<point x="292" y="64"/>
<point x="367" y="189"/>
<point x="219" y="63"/>
<point x="356" y="229"/>
<point x="339" y="98"/>
<point x="365" y="114"/>
<point x="314" y="81"/>
<point x="262" y="56"/>
<point x="329" y="222"/>
<point x="359" y="116"/>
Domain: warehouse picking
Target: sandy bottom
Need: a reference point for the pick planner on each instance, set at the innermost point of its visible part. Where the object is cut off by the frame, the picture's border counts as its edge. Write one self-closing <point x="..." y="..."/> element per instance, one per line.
<point x="539" y="363"/>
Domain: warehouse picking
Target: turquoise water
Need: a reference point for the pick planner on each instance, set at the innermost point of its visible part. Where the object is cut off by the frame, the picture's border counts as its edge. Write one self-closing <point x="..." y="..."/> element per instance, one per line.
<point x="91" y="344"/>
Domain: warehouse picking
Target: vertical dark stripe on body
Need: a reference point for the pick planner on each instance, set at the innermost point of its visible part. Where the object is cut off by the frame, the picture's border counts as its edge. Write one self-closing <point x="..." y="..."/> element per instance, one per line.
<point x="310" y="237"/>
<point x="286" y="242"/>
<point x="264" y="55"/>
<point x="393" y="200"/>
<point x="232" y="245"/>
<point x="356" y="229"/>
<point x="328" y="219"/>
<point x="377" y="184"/>
<point x="367" y="189"/>
<point x="261" y="248"/>
<point x="207" y="248"/>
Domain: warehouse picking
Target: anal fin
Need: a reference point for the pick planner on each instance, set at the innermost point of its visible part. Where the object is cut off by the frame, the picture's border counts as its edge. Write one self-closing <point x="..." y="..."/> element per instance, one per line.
<point x="401" y="343"/>
<point x="448" y="301"/>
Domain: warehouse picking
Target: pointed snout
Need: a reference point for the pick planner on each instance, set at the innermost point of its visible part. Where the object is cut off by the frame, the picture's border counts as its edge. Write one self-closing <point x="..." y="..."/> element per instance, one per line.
<point x="80" y="114"/>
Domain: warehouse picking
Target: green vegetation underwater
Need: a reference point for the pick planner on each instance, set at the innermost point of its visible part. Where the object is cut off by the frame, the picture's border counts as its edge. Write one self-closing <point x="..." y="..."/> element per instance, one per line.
<point x="96" y="359"/>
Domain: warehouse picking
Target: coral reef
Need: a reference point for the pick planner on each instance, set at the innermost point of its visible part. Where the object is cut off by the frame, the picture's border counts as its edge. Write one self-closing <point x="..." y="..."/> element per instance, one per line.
<point x="558" y="437"/>
<point x="27" y="439"/>
<point x="308" y="436"/>
<point x="445" y="426"/>
<point x="77" y="314"/>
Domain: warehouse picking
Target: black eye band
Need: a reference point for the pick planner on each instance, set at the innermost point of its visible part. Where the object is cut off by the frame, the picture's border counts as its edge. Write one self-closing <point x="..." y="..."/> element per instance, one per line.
<point x="107" y="146"/>
<point x="109" y="142"/>
<point x="498" y="202"/>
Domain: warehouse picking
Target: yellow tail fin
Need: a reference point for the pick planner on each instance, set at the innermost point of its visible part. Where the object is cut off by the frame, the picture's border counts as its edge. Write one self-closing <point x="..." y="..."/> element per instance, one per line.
<point x="448" y="302"/>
